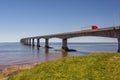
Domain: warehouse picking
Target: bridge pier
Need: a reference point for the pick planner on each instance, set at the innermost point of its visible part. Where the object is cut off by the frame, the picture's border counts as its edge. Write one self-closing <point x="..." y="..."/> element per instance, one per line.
<point x="29" y="42"/>
<point x="33" y="44"/>
<point x="38" y="42"/>
<point x="47" y="43"/>
<point x="118" y="44"/>
<point x="64" y="44"/>
<point x="23" y="41"/>
<point x="26" y="42"/>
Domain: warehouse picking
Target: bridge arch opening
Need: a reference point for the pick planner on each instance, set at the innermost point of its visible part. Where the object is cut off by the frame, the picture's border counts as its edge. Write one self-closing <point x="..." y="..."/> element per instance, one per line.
<point x="74" y="42"/>
<point x="42" y="42"/>
<point x="56" y="43"/>
<point x="92" y="39"/>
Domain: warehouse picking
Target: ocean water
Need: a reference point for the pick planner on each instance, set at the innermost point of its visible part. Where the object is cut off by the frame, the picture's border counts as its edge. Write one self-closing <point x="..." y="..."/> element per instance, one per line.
<point x="17" y="54"/>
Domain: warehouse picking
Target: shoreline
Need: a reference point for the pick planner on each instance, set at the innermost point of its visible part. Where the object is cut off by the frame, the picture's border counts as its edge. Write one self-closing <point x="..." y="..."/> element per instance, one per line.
<point x="14" y="68"/>
<point x="75" y="68"/>
<point x="2" y="67"/>
<point x="8" y="69"/>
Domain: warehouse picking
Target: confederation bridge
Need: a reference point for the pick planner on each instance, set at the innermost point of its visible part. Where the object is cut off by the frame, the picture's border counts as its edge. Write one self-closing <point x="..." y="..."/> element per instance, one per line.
<point x="112" y="32"/>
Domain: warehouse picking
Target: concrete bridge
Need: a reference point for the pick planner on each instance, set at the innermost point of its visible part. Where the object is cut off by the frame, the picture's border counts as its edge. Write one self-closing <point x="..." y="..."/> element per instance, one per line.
<point x="113" y="32"/>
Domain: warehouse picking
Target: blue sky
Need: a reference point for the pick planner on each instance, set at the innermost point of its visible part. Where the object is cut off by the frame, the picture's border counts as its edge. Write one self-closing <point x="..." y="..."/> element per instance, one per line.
<point x="24" y="18"/>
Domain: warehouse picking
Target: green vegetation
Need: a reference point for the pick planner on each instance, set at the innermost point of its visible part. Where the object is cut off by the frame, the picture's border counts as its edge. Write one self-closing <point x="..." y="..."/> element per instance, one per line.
<point x="104" y="66"/>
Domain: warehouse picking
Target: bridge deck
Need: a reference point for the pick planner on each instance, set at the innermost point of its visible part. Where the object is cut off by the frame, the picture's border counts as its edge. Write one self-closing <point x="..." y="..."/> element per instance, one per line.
<point x="98" y="32"/>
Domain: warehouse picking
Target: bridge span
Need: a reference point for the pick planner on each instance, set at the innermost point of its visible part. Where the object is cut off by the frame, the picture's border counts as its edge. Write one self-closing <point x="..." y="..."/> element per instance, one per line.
<point x="113" y="32"/>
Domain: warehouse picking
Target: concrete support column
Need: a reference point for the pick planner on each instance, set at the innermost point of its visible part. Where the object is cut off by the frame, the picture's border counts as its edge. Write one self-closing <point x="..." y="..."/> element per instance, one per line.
<point x="23" y="41"/>
<point x="38" y="42"/>
<point x="64" y="44"/>
<point x="33" y="42"/>
<point x="118" y="44"/>
<point x="26" y="41"/>
<point x="30" y="42"/>
<point x="47" y="43"/>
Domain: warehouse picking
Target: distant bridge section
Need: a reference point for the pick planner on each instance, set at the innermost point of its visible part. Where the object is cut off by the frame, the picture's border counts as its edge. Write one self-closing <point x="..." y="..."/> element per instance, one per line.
<point x="113" y="32"/>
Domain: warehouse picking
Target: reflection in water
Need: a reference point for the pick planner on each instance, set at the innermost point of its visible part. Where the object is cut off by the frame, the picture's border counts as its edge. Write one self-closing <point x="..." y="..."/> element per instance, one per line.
<point x="64" y="54"/>
<point x="49" y="53"/>
<point x="46" y="50"/>
<point x="38" y="54"/>
<point x="46" y="54"/>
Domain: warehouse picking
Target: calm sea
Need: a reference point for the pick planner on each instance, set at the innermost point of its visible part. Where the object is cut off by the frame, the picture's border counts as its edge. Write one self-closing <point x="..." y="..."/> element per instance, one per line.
<point x="16" y="54"/>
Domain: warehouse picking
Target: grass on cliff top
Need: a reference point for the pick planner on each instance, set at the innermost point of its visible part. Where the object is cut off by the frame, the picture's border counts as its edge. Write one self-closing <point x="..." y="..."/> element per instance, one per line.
<point x="103" y="66"/>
